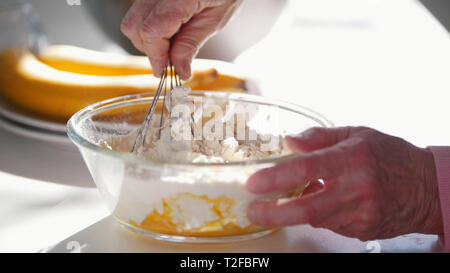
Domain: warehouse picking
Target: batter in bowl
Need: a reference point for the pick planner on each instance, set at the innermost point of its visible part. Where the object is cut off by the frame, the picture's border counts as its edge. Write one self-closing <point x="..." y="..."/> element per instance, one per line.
<point x="179" y="201"/>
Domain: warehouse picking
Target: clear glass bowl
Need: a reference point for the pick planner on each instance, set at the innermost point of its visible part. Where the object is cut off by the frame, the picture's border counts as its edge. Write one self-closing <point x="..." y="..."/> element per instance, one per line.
<point x="191" y="202"/>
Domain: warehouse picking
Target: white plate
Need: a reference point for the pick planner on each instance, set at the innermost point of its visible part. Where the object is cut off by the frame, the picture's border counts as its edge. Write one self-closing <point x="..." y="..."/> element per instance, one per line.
<point x="22" y="123"/>
<point x="35" y="133"/>
<point x="15" y="114"/>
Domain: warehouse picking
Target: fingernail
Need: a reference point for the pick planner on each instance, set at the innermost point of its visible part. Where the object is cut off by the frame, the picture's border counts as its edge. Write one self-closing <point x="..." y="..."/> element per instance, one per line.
<point x="288" y="139"/>
<point x="295" y="143"/>
<point x="185" y="72"/>
<point x="288" y="142"/>
<point x="156" y="69"/>
<point x="157" y="73"/>
<point x="296" y="136"/>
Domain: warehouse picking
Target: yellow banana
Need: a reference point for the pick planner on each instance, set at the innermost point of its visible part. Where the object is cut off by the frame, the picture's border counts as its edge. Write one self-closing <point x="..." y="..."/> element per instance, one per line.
<point x="52" y="89"/>
<point x="90" y="62"/>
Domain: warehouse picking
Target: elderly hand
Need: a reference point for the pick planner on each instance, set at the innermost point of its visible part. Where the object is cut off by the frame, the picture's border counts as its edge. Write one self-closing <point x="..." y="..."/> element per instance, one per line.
<point x="176" y="27"/>
<point x="376" y="186"/>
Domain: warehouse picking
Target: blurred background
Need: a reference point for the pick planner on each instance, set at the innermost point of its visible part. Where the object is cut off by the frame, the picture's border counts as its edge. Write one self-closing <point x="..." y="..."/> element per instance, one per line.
<point x="440" y="9"/>
<point x="95" y="24"/>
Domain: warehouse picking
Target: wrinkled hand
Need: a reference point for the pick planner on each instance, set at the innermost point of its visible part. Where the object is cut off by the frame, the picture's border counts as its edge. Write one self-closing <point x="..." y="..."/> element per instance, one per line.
<point x="376" y="186"/>
<point x="157" y="27"/>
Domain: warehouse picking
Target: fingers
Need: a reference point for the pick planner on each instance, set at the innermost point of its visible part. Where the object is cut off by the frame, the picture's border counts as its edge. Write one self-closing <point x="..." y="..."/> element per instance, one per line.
<point x="311" y="209"/>
<point x="158" y="28"/>
<point x="326" y="163"/>
<point x="313" y="187"/>
<point x="132" y="21"/>
<point x="155" y="26"/>
<point x="317" y="138"/>
<point x="193" y="35"/>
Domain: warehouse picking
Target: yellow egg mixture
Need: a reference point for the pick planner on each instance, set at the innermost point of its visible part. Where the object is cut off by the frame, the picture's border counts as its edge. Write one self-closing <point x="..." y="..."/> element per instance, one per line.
<point x="221" y="207"/>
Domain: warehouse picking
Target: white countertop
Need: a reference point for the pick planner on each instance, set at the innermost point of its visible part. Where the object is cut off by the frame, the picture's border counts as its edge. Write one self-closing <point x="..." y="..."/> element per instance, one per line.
<point x="379" y="63"/>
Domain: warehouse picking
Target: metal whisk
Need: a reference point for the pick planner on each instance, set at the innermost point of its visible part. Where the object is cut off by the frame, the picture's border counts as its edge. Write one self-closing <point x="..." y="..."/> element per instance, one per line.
<point x="169" y="77"/>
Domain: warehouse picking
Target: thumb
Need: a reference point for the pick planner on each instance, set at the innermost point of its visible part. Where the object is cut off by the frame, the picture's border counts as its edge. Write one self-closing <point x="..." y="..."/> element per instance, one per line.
<point x="192" y="35"/>
<point x="316" y="138"/>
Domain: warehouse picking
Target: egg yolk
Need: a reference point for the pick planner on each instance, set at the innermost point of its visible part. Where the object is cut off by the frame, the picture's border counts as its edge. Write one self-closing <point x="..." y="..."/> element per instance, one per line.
<point x="220" y="208"/>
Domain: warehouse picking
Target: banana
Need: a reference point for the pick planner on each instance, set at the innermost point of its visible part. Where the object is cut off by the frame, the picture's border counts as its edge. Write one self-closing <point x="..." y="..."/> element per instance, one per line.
<point x="206" y="75"/>
<point x="90" y="62"/>
<point x="54" y="94"/>
<point x="52" y="89"/>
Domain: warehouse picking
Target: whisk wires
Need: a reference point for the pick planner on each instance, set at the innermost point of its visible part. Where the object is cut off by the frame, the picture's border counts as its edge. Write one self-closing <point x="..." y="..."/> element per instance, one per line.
<point x="169" y="74"/>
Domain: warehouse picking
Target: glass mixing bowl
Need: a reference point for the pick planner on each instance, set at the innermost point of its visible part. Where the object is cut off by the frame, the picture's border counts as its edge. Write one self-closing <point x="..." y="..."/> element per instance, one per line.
<point x="181" y="202"/>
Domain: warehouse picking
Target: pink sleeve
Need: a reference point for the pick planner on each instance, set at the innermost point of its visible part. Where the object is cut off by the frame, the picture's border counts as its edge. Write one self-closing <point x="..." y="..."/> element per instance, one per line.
<point x="442" y="162"/>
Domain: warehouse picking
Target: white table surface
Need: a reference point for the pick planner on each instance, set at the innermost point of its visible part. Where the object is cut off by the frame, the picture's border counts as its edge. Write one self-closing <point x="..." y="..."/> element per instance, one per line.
<point x="380" y="63"/>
